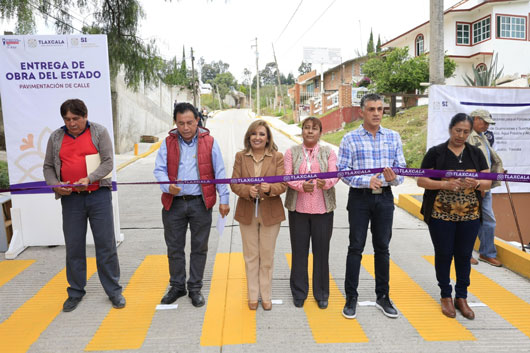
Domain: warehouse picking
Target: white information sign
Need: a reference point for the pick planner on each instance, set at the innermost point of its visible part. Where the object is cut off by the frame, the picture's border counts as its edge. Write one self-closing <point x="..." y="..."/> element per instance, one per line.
<point x="509" y="107"/>
<point x="324" y="56"/>
<point x="37" y="74"/>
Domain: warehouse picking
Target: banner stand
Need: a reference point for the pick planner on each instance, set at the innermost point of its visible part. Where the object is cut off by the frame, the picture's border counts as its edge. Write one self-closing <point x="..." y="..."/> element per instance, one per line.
<point x="37" y="74"/>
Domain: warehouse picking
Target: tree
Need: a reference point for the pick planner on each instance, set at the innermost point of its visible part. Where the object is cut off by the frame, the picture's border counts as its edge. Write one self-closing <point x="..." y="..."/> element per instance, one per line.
<point x="172" y="74"/>
<point x="183" y="68"/>
<point x="248" y="75"/>
<point x="211" y="70"/>
<point x="289" y="80"/>
<point x="118" y="19"/>
<point x="396" y="72"/>
<point x="224" y="81"/>
<point x="304" y="68"/>
<point x="370" y="47"/>
<point x="268" y="74"/>
<point x="378" y="46"/>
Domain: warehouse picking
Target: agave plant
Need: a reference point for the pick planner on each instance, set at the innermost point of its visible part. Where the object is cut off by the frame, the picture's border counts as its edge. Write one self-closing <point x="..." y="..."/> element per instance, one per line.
<point x="484" y="78"/>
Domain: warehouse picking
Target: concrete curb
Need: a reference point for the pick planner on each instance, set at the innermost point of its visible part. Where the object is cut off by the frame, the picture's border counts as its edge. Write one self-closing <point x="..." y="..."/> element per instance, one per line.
<point x="155" y="146"/>
<point x="511" y="257"/>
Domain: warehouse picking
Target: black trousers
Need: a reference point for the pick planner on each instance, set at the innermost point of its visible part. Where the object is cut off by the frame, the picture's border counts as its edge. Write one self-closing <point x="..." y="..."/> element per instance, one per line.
<point x="302" y="228"/>
<point x="181" y="214"/>
<point x="377" y="210"/>
<point x="453" y="240"/>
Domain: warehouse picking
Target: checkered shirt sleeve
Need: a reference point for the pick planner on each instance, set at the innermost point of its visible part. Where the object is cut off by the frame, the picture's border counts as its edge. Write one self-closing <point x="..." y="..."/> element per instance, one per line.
<point x="360" y="150"/>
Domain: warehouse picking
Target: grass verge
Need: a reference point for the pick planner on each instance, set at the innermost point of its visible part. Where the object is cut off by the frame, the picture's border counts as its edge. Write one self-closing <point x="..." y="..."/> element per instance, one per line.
<point x="411" y="124"/>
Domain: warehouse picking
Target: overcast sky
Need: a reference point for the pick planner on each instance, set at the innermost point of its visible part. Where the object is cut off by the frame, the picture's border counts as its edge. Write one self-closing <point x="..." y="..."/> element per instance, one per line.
<point x="225" y="30"/>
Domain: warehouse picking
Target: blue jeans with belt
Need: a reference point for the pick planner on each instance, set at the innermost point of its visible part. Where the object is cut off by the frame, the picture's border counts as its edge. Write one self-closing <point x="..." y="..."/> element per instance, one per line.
<point x="96" y="207"/>
<point x="377" y="209"/>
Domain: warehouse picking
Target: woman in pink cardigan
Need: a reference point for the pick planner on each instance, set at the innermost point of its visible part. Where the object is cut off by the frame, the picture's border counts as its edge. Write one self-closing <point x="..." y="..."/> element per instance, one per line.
<point x="310" y="204"/>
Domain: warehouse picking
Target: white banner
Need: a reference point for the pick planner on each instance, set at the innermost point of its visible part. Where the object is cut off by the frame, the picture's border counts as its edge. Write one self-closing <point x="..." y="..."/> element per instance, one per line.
<point x="37" y="74"/>
<point x="509" y="107"/>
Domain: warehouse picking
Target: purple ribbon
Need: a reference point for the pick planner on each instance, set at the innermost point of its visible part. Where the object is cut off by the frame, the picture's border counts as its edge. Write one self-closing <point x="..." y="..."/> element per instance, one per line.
<point x="40" y="187"/>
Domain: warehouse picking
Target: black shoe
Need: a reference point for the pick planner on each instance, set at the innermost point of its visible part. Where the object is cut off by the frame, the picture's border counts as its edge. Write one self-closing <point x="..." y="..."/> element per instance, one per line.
<point x="118" y="302"/>
<point x="196" y="299"/>
<point x="173" y="294"/>
<point x="387" y="307"/>
<point x="350" y="308"/>
<point x="71" y="303"/>
<point x="322" y="304"/>
<point x="298" y="302"/>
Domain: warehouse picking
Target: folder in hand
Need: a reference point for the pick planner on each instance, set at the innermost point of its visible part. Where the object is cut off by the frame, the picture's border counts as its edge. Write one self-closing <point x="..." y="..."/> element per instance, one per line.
<point x="92" y="163"/>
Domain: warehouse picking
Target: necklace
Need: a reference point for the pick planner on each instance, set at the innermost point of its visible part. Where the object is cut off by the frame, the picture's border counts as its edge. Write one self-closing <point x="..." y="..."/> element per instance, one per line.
<point x="460" y="156"/>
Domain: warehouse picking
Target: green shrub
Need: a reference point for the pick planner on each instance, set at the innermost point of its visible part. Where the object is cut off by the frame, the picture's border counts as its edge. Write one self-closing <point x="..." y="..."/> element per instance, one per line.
<point x="4" y="176"/>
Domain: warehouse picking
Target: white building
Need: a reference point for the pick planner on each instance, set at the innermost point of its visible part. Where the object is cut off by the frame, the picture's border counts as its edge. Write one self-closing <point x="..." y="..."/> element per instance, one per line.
<point x="473" y="31"/>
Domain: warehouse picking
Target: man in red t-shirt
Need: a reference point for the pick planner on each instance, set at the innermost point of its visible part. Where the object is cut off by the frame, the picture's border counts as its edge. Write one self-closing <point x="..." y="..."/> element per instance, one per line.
<point x="65" y="163"/>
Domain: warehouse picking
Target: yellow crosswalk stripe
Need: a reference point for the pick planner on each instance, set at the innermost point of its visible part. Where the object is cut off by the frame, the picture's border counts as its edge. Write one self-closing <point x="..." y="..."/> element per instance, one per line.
<point x="329" y="326"/>
<point x="228" y="320"/>
<point x="509" y="306"/>
<point x="419" y="308"/>
<point x="9" y="269"/>
<point x="127" y="328"/>
<point x="26" y="324"/>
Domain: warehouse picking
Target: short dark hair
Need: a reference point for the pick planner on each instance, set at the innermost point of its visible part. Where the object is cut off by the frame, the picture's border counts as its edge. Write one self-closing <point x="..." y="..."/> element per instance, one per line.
<point x="370" y="97"/>
<point x="312" y="119"/>
<point x="184" y="107"/>
<point x="458" y="118"/>
<point x="74" y="106"/>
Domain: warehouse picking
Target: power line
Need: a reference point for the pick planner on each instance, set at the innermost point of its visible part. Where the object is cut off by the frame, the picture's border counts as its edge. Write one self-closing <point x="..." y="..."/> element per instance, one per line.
<point x="319" y="17"/>
<point x="284" y="28"/>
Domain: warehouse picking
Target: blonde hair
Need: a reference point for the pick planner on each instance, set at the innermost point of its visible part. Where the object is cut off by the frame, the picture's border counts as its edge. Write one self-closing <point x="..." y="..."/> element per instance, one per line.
<point x="270" y="146"/>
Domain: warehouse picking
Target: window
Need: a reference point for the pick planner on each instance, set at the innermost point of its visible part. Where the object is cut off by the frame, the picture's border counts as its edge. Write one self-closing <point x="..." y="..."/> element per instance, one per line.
<point x="481" y="68"/>
<point x="419" y="45"/>
<point x="332" y="76"/>
<point x="310" y="88"/>
<point x="511" y="27"/>
<point x="481" y="30"/>
<point x="462" y="34"/>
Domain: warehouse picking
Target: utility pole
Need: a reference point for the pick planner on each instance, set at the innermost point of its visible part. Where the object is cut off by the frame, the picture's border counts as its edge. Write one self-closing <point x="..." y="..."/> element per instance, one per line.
<point x="436" y="43"/>
<point x="257" y="77"/>
<point x="193" y="83"/>
<point x="279" y="80"/>
<point x="219" y="98"/>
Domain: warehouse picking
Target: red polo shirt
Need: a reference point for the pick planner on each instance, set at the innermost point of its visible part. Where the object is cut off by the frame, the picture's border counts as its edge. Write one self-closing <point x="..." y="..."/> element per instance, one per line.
<point x="72" y="155"/>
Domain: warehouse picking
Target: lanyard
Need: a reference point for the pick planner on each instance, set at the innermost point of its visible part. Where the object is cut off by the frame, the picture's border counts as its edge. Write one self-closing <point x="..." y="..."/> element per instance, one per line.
<point x="308" y="159"/>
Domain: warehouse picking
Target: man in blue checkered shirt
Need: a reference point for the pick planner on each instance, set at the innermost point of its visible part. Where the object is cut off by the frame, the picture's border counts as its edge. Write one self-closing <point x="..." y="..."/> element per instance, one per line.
<point x="370" y="199"/>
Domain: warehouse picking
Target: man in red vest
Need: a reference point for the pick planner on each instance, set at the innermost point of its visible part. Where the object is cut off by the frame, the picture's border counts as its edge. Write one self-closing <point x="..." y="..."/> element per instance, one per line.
<point x="65" y="163"/>
<point x="189" y="153"/>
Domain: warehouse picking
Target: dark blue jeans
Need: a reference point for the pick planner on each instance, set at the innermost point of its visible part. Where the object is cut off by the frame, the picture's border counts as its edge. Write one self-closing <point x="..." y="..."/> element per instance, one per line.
<point x="96" y="207"/>
<point x="453" y="240"/>
<point x="181" y="214"/>
<point x="378" y="209"/>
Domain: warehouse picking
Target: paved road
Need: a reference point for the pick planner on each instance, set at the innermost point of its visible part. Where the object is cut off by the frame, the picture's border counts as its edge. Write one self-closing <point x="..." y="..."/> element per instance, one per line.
<point x="31" y="297"/>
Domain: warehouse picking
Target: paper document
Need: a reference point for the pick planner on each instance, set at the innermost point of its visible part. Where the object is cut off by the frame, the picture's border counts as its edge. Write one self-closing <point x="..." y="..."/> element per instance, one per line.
<point x="166" y="306"/>
<point x="92" y="163"/>
<point x="220" y="226"/>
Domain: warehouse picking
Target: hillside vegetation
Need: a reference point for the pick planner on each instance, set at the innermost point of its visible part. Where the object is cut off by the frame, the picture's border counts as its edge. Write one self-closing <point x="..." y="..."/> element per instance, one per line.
<point x="411" y="125"/>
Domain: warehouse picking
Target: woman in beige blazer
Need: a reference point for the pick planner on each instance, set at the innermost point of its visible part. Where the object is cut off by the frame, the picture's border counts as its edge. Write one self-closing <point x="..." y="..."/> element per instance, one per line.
<point x="259" y="209"/>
